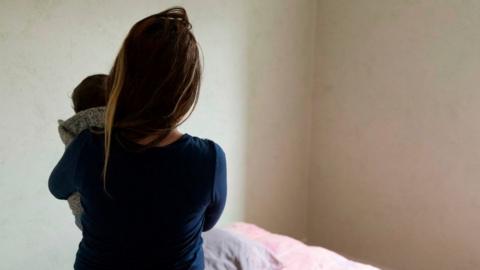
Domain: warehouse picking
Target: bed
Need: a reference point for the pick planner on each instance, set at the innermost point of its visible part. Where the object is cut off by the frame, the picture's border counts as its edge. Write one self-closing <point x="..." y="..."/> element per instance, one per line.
<point x="244" y="246"/>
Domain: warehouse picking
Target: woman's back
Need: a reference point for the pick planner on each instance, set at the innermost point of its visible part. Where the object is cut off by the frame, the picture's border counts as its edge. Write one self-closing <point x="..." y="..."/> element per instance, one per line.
<point x="159" y="201"/>
<point x="146" y="209"/>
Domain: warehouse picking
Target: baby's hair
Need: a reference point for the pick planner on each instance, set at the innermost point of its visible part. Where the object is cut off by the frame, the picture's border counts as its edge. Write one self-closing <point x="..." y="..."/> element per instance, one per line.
<point x="91" y="92"/>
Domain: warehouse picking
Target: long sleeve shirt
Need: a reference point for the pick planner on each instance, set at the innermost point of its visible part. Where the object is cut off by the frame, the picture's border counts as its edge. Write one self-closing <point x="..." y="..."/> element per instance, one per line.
<point x="159" y="201"/>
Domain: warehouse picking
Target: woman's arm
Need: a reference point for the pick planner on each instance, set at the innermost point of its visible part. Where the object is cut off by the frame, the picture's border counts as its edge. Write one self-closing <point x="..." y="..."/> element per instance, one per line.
<point x="61" y="181"/>
<point x="219" y="195"/>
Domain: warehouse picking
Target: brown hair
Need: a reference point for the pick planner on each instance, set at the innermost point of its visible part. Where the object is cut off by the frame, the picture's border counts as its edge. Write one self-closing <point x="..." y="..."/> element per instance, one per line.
<point x="90" y="93"/>
<point x="154" y="82"/>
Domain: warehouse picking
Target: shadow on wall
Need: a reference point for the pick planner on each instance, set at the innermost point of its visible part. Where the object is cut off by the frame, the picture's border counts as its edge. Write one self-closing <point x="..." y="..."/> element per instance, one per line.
<point x="280" y="47"/>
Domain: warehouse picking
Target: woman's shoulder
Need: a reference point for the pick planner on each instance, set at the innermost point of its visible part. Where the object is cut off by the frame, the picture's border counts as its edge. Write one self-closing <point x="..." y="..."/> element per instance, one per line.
<point x="204" y="147"/>
<point x="207" y="158"/>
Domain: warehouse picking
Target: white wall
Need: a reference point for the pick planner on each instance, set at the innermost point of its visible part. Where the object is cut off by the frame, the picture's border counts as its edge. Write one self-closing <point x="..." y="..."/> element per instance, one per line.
<point x="396" y="132"/>
<point x="253" y="103"/>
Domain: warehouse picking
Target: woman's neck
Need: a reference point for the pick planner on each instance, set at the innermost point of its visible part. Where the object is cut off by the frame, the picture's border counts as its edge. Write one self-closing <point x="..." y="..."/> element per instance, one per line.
<point x="173" y="136"/>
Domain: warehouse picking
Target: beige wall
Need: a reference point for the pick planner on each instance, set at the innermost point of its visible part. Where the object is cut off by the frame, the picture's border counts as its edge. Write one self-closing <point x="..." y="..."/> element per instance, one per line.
<point x="396" y="132"/>
<point x="280" y="46"/>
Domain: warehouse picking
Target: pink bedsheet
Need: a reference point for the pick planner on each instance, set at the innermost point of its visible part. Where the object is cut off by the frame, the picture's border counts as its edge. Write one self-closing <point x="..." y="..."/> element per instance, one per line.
<point x="295" y="255"/>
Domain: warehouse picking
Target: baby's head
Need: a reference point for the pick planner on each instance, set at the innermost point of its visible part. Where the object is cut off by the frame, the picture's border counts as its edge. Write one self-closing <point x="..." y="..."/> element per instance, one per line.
<point x="91" y="92"/>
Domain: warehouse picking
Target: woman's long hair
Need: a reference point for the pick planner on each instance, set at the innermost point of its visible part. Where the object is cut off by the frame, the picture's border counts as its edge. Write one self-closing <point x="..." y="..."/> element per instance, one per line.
<point x="155" y="81"/>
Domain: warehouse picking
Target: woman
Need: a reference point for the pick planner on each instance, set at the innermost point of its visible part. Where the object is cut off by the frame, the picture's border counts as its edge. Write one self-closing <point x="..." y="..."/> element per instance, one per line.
<point x="147" y="190"/>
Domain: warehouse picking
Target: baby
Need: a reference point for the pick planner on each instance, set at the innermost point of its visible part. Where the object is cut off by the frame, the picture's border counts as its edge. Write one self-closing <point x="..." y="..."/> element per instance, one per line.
<point x="89" y="105"/>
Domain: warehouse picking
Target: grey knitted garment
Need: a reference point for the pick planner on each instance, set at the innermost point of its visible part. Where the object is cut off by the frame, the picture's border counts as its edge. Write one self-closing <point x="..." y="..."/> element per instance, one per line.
<point x="69" y="129"/>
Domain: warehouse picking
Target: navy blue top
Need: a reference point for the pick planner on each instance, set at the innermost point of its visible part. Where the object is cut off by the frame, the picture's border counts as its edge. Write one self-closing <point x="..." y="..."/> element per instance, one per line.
<point x="161" y="200"/>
